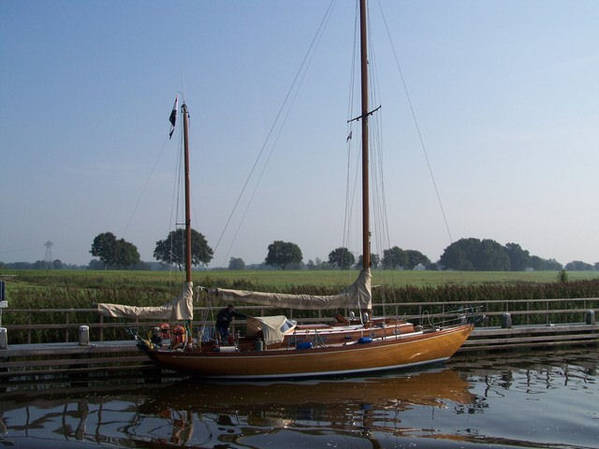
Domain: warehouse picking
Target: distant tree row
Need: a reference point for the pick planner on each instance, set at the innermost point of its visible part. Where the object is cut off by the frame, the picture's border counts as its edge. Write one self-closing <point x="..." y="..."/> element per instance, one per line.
<point x="56" y="264"/>
<point x="468" y="254"/>
<point x="465" y="255"/>
<point x="577" y="265"/>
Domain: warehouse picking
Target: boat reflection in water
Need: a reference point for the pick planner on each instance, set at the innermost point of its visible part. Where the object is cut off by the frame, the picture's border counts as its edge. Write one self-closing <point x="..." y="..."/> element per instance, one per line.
<point x="351" y="405"/>
<point x="234" y="415"/>
<point x="540" y="399"/>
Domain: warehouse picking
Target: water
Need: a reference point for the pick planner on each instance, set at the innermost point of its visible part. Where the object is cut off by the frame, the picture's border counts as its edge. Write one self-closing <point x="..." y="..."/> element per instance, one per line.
<point x="544" y="399"/>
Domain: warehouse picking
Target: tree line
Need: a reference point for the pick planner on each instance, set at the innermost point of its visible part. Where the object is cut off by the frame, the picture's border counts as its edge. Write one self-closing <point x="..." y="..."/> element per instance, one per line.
<point x="467" y="254"/>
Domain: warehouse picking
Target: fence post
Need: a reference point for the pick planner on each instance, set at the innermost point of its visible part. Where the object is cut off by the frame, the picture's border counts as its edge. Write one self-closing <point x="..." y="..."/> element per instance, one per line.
<point x="101" y="327"/>
<point x="66" y="328"/>
<point x="3" y="338"/>
<point x="29" y="330"/>
<point x="83" y="335"/>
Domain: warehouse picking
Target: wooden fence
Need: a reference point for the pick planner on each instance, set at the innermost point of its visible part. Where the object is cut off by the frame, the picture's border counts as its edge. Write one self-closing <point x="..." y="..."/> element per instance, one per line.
<point x="61" y="325"/>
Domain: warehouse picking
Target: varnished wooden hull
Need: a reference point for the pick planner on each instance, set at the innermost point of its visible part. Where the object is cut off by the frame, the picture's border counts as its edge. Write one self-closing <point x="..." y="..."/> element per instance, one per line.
<point x="396" y="352"/>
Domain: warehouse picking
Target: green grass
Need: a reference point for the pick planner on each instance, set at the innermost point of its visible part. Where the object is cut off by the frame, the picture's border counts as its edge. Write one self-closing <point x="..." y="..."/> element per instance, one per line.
<point x="279" y="280"/>
<point x="337" y="278"/>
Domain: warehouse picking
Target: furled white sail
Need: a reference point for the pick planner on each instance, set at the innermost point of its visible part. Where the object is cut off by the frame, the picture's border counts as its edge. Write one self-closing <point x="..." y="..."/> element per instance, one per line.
<point x="180" y="308"/>
<point x="356" y="295"/>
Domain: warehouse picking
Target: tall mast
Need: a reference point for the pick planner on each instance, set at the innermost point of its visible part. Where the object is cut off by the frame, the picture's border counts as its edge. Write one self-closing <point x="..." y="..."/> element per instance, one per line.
<point x="187" y="195"/>
<point x="364" y="117"/>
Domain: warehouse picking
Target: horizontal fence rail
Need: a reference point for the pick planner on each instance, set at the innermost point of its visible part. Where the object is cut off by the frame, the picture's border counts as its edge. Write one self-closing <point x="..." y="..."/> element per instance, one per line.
<point x="33" y="325"/>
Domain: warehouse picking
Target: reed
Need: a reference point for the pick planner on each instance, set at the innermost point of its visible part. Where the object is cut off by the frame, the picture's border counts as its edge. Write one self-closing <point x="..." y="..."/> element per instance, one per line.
<point x="79" y="290"/>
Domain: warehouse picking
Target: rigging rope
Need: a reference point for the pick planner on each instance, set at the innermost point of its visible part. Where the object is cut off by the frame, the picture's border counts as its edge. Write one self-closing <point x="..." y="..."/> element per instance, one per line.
<point x="175" y="203"/>
<point x="145" y="185"/>
<point x="271" y="144"/>
<point x="375" y="158"/>
<point x="277" y="123"/>
<point x="349" y="141"/>
<point x="416" y="124"/>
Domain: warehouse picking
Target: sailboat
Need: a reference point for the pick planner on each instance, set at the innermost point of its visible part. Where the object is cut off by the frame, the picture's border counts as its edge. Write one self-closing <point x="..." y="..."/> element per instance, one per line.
<point x="277" y="347"/>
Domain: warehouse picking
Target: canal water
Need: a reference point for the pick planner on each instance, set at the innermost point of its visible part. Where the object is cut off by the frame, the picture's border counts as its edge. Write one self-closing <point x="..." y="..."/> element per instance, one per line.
<point x="547" y="399"/>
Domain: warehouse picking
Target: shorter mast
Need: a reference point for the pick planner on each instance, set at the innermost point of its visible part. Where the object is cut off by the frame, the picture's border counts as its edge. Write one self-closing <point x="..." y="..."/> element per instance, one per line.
<point x="187" y="194"/>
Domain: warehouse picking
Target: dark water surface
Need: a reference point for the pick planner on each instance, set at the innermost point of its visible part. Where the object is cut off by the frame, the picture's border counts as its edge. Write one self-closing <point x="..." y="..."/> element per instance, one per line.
<point x="535" y="399"/>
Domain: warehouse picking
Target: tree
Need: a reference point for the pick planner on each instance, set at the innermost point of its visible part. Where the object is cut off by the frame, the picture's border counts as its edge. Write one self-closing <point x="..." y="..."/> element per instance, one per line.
<point x="57" y="264"/>
<point x="394" y="258"/>
<point x="282" y="254"/>
<point x="492" y="256"/>
<point x="104" y="247"/>
<point x="126" y="254"/>
<point x="375" y="261"/>
<point x="236" y="263"/>
<point x="114" y="253"/>
<point x="457" y="256"/>
<point x="519" y="258"/>
<point x="171" y="250"/>
<point x="414" y="258"/>
<point x="341" y="258"/>
<point x="578" y="265"/>
<point x="474" y="254"/>
<point x="95" y="264"/>
<point x="539" y="264"/>
<point x="552" y="265"/>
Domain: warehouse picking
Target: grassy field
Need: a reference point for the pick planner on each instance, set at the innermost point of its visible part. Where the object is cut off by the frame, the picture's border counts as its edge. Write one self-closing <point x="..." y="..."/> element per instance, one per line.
<point x="279" y="280"/>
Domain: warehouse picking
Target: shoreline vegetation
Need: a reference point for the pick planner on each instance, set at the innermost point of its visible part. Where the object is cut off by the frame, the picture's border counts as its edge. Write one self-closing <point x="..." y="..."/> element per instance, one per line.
<point x="63" y="289"/>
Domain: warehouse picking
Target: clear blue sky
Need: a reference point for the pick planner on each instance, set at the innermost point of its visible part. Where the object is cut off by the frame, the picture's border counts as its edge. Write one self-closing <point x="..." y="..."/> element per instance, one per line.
<point x="506" y="94"/>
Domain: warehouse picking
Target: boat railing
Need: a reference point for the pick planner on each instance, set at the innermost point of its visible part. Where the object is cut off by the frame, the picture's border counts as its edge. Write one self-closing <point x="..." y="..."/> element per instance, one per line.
<point x="47" y="325"/>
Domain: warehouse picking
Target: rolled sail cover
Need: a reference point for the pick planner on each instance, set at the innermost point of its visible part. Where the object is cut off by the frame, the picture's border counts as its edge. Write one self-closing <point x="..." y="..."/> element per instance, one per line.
<point x="358" y="294"/>
<point x="180" y="308"/>
<point x="270" y="326"/>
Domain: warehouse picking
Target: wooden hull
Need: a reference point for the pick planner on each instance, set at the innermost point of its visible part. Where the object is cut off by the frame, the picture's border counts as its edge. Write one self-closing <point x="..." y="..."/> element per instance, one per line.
<point x="395" y="352"/>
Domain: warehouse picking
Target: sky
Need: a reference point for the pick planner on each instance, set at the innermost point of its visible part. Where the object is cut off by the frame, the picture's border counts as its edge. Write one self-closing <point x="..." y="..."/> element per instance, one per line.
<point x="505" y="94"/>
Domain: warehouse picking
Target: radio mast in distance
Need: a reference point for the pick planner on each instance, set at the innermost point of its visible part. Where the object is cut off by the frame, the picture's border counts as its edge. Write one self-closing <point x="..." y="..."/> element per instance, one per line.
<point x="48" y="254"/>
